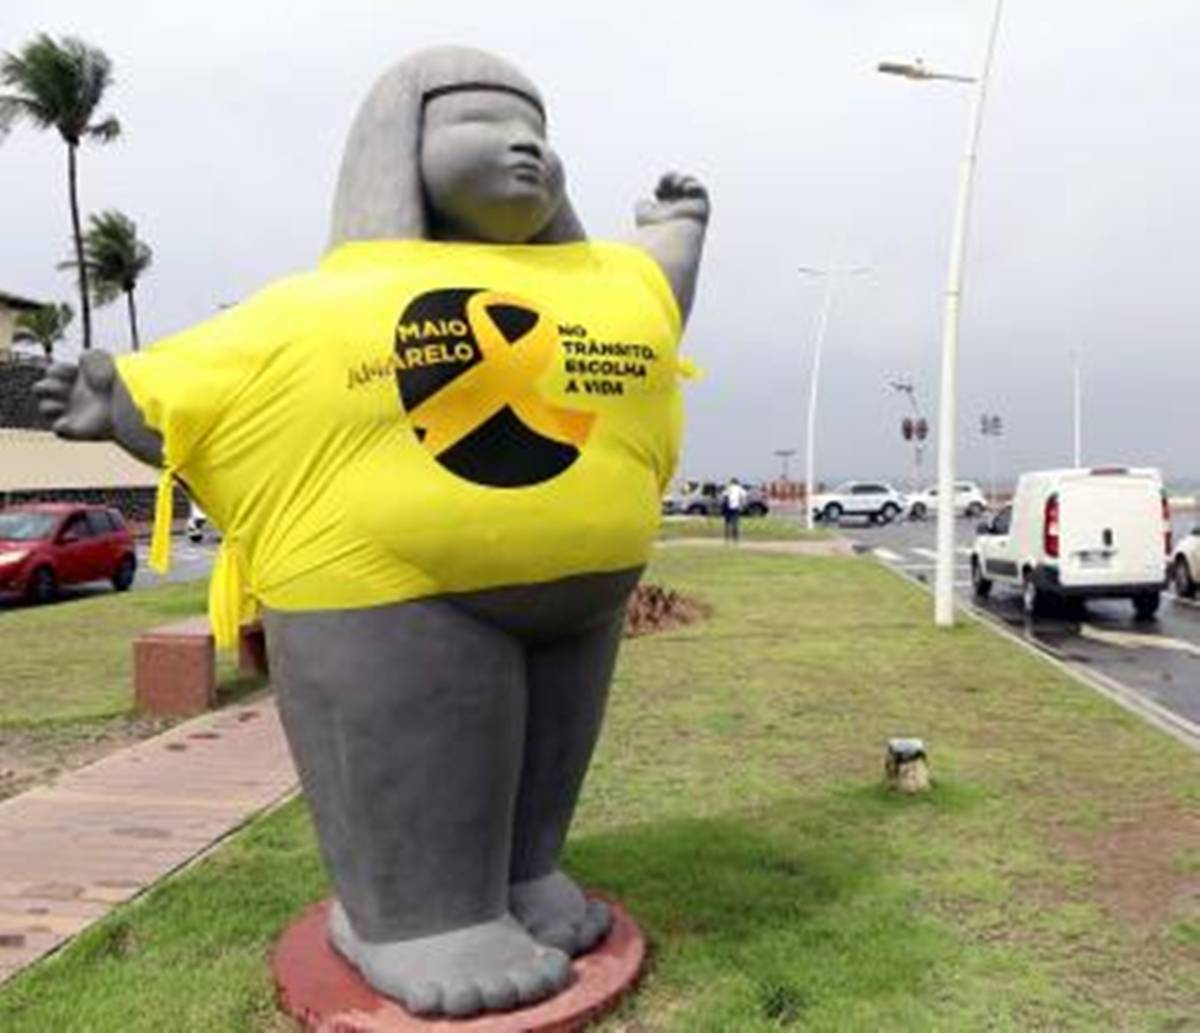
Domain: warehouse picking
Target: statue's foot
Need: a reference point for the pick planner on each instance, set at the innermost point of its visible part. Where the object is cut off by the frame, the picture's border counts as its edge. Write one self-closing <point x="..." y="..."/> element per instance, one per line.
<point x="556" y="913"/>
<point x="492" y="966"/>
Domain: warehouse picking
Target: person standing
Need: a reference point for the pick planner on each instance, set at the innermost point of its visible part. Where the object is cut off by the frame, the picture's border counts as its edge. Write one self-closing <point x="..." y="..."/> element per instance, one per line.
<point x="733" y="500"/>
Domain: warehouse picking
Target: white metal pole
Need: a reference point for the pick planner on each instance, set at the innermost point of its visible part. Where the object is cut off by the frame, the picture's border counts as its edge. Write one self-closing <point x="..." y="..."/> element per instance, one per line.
<point x="810" y="450"/>
<point x="1078" y="415"/>
<point x="943" y="613"/>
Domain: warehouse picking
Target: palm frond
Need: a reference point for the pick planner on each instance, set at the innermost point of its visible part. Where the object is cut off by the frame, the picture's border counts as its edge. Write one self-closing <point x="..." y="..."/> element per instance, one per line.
<point x="104" y="131"/>
<point x="56" y="83"/>
<point x="114" y="256"/>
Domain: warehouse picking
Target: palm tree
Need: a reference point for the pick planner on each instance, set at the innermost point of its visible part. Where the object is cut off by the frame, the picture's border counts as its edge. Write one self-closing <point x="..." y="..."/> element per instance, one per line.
<point x="44" y="326"/>
<point x="115" y="259"/>
<point x="59" y="85"/>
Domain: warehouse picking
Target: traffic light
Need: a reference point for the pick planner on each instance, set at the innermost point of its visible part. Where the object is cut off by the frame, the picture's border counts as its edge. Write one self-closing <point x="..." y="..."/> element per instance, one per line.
<point x="906" y="428"/>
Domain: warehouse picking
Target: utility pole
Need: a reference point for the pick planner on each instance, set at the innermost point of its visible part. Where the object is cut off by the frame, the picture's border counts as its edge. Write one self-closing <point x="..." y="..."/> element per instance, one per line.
<point x="991" y="426"/>
<point x="784" y="455"/>
<point x="1078" y="359"/>
<point x="915" y="429"/>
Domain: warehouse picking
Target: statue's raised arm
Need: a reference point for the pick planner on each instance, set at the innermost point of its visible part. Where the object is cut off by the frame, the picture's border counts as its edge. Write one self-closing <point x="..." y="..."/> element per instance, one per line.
<point x="88" y="402"/>
<point x="671" y="227"/>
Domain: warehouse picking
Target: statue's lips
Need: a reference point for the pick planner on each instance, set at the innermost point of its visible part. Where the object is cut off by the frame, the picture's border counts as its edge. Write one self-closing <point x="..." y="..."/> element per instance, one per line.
<point x="528" y="170"/>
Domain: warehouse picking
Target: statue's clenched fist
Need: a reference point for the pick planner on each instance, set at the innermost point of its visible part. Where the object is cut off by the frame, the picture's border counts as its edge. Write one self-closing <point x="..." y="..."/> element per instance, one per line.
<point x="77" y="399"/>
<point x="677" y="196"/>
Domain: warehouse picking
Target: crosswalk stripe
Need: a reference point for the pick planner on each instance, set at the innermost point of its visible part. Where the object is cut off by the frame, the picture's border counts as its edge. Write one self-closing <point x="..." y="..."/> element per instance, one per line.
<point x="927" y="553"/>
<point x="888" y="556"/>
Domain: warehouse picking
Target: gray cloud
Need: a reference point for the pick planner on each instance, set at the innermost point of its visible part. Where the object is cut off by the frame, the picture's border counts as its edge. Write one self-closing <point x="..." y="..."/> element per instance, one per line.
<point x="1083" y="228"/>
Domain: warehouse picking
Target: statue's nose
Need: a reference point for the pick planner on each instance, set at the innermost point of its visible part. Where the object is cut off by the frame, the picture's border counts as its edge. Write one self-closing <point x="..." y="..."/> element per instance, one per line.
<point x="528" y="145"/>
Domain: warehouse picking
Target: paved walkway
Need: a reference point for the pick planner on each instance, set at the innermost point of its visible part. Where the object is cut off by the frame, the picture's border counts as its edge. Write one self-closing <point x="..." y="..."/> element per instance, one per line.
<point x="99" y="836"/>
<point x="72" y="851"/>
<point x="796" y="547"/>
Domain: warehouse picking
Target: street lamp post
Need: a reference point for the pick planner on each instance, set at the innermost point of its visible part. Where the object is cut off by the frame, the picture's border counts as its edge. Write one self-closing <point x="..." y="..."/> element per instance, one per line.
<point x="831" y="274"/>
<point x="943" y="607"/>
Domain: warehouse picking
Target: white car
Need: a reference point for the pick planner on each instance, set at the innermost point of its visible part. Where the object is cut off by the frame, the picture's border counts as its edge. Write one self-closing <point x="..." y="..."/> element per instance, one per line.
<point x="1078" y="534"/>
<point x="968" y="501"/>
<point x="1185" y="565"/>
<point x="873" y="499"/>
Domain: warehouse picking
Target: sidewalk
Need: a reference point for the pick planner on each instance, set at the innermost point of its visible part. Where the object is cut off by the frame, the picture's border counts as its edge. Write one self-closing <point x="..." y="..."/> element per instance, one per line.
<point x="99" y="836"/>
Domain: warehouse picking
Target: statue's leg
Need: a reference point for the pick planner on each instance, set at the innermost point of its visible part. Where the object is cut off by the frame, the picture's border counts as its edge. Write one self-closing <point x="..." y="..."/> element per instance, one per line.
<point x="407" y="724"/>
<point x="568" y="687"/>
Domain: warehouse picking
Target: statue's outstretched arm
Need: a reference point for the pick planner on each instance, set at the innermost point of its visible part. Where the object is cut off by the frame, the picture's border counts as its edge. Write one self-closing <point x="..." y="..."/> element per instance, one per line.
<point x="88" y="402"/>
<point x="671" y="227"/>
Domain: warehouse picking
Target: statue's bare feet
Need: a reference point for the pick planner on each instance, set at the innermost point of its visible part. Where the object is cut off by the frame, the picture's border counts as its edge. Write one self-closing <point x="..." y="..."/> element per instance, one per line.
<point x="492" y="966"/>
<point x="556" y="913"/>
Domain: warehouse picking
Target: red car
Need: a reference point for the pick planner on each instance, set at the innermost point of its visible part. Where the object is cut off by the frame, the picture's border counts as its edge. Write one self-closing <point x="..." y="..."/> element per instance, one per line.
<point x="48" y="545"/>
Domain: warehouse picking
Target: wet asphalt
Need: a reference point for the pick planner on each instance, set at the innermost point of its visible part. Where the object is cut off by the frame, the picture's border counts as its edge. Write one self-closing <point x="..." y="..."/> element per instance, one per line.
<point x="1159" y="660"/>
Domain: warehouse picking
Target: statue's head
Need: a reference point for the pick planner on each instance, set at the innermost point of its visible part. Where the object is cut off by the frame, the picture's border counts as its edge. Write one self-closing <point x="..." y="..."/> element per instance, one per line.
<point x="450" y="144"/>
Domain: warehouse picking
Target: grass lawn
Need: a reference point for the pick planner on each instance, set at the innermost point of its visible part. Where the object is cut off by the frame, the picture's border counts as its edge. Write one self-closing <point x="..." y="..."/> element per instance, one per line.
<point x="66" y="679"/>
<point x="771" y="528"/>
<point x="1051" y="880"/>
<point x="72" y="662"/>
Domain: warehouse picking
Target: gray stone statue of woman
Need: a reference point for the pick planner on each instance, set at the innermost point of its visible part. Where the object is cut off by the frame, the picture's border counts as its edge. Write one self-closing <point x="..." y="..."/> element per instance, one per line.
<point x="437" y="463"/>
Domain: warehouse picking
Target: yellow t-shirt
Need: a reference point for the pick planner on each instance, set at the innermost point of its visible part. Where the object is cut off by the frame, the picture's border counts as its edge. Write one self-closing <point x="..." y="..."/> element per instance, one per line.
<point x="421" y="417"/>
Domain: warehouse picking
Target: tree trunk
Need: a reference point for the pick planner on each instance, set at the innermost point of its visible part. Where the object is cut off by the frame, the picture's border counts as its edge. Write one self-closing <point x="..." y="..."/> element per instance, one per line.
<point x="133" y="330"/>
<point x="84" y="302"/>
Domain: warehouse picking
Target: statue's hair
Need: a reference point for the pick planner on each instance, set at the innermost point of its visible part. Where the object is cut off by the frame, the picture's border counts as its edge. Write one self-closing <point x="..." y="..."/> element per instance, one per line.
<point x="379" y="191"/>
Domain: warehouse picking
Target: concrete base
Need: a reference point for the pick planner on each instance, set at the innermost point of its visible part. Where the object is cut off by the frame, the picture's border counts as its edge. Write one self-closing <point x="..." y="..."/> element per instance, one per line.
<point x="323" y="993"/>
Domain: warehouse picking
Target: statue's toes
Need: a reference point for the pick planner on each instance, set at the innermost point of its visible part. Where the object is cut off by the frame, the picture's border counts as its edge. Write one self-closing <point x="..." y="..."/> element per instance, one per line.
<point x="422" y="998"/>
<point x="562" y="936"/>
<point x="461" y="998"/>
<point x="499" y="993"/>
<point x="537" y="981"/>
<point x="597" y="921"/>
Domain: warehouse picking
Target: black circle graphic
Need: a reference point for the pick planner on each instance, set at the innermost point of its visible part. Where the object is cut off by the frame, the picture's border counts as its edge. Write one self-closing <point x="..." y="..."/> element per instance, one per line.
<point x="435" y="345"/>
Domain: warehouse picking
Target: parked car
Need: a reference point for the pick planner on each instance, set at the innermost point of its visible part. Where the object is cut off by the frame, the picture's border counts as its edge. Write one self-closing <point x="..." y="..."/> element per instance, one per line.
<point x="1185" y="565"/>
<point x="968" y="501"/>
<point x="873" y="499"/>
<point x="703" y="498"/>
<point x="1079" y="534"/>
<point x="46" y="546"/>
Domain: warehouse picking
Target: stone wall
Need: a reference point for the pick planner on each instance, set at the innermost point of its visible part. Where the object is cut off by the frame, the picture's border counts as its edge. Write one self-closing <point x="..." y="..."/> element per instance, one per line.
<point x="17" y="405"/>
<point x="136" y="504"/>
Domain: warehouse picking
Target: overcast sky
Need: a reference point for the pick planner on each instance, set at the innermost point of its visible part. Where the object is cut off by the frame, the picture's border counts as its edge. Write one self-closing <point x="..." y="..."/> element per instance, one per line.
<point x="1084" y="226"/>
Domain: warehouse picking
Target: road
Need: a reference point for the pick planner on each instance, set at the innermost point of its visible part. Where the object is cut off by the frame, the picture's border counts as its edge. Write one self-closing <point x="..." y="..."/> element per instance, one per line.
<point x="1158" y="660"/>
<point x="188" y="563"/>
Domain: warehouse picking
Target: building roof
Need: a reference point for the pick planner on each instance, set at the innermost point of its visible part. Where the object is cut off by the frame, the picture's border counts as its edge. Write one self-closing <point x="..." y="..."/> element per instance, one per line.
<point x="15" y="301"/>
<point x="32" y="460"/>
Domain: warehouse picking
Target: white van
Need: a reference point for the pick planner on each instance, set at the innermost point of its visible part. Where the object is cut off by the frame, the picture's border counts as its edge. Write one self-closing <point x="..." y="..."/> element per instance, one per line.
<point x="1079" y="534"/>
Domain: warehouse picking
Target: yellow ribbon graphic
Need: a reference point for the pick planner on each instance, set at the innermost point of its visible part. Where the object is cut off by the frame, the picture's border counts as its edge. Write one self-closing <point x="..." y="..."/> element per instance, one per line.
<point x="506" y="375"/>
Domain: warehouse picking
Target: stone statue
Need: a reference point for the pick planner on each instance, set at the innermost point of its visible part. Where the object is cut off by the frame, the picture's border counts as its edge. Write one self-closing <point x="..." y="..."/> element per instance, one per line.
<point x="437" y="464"/>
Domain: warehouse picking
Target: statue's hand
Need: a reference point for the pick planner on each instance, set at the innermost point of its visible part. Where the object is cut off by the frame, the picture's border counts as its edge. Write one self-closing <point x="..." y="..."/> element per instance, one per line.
<point x="676" y="197"/>
<point x="78" y="399"/>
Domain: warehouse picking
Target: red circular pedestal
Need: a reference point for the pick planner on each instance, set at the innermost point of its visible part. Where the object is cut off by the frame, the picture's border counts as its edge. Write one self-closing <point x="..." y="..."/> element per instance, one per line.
<point x="326" y="994"/>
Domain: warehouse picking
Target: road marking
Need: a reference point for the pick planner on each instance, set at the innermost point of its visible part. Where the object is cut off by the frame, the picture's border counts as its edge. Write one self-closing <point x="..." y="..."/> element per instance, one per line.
<point x="888" y="556"/>
<point x="1182" y="600"/>
<point x="927" y="553"/>
<point x="1133" y="640"/>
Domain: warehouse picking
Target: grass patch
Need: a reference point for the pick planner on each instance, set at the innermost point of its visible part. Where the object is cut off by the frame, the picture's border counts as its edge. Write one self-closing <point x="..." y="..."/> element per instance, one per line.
<point x="72" y="662"/>
<point x="768" y="528"/>
<point x="735" y="807"/>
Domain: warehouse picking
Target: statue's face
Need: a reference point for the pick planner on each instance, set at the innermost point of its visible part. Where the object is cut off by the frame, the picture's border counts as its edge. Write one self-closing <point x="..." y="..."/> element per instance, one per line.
<point x="487" y="170"/>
